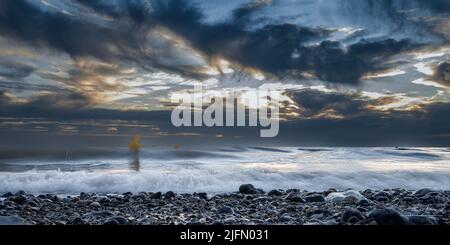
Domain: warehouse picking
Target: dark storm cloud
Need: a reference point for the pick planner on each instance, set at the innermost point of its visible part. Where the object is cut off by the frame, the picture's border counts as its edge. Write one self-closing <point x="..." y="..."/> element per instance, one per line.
<point x="277" y="49"/>
<point x="29" y="24"/>
<point x="315" y="102"/>
<point x="442" y="74"/>
<point x="332" y="63"/>
<point x="272" y="48"/>
<point x="15" y="70"/>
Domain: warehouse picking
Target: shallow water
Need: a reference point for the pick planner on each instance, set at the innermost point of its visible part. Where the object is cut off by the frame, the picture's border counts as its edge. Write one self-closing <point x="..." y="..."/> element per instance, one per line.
<point x="223" y="170"/>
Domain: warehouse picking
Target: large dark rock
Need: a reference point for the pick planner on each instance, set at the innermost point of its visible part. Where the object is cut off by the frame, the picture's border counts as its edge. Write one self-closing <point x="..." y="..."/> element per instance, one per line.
<point x="351" y="214"/>
<point x="156" y="195"/>
<point x="21" y="199"/>
<point x="275" y="193"/>
<point x="363" y="203"/>
<point x="423" y="192"/>
<point x="225" y="210"/>
<point x="249" y="189"/>
<point x="388" y="216"/>
<point x="315" y="198"/>
<point x="169" y="194"/>
<point x="95" y="205"/>
<point x="382" y="194"/>
<point x="111" y="222"/>
<point x="84" y="195"/>
<point x="117" y="220"/>
<point x="139" y="197"/>
<point x="104" y="200"/>
<point x="433" y="198"/>
<point x="421" y="220"/>
<point x="294" y="197"/>
<point x="7" y="194"/>
<point x="20" y="193"/>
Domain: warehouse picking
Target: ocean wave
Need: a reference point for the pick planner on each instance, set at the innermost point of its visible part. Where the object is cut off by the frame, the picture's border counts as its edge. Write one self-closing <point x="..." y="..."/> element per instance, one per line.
<point x="215" y="171"/>
<point x="214" y="181"/>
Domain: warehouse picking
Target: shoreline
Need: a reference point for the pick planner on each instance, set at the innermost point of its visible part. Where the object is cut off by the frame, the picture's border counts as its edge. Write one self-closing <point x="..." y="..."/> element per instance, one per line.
<point x="247" y="206"/>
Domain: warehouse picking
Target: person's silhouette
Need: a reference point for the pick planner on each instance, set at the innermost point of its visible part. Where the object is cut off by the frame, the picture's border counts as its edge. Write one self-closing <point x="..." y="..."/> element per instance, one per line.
<point x="134" y="147"/>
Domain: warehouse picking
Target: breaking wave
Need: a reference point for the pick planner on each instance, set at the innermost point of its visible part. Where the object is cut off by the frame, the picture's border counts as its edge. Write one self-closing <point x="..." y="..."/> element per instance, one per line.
<point x="223" y="170"/>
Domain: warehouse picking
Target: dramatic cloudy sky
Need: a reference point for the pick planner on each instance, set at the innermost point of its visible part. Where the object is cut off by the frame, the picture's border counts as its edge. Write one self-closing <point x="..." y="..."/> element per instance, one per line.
<point x="351" y="72"/>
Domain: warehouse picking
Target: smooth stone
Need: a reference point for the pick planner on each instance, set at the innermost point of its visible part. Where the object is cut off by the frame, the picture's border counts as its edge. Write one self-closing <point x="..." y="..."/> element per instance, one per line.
<point x="111" y="222"/>
<point x="20" y="193"/>
<point x="349" y="196"/>
<point x="421" y="220"/>
<point x="382" y="194"/>
<point x="423" y="192"/>
<point x="315" y="198"/>
<point x="95" y="205"/>
<point x="169" y="194"/>
<point x="139" y="197"/>
<point x="7" y="194"/>
<point x="20" y="199"/>
<point x="388" y="216"/>
<point x="156" y="195"/>
<point x="433" y="199"/>
<point x="248" y="189"/>
<point x="84" y="195"/>
<point x="293" y="197"/>
<point x="12" y="220"/>
<point x="275" y="193"/>
<point x="363" y="203"/>
<point x="104" y="200"/>
<point x="118" y="219"/>
<point x="353" y="220"/>
<point x="351" y="213"/>
<point x="225" y="210"/>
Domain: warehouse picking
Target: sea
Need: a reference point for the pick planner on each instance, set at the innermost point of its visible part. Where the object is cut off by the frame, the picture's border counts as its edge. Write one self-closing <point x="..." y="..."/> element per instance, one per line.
<point x="222" y="170"/>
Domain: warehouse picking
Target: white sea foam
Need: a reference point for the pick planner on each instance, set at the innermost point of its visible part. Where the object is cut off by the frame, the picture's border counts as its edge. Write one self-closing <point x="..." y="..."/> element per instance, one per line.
<point x="311" y="169"/>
